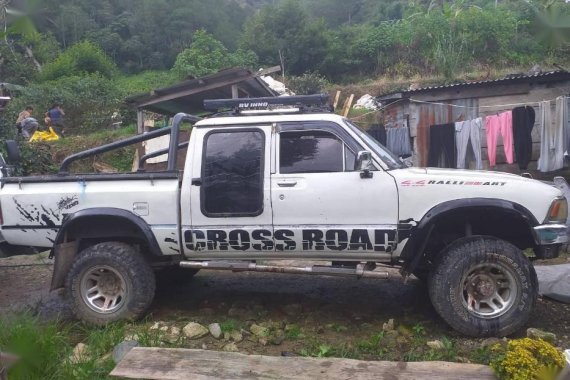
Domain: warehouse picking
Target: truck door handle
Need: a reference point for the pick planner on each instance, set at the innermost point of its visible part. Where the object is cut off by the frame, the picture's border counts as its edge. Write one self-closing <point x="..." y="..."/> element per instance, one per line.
<point x="196" y="182"/>
<point x="286" y="183"/>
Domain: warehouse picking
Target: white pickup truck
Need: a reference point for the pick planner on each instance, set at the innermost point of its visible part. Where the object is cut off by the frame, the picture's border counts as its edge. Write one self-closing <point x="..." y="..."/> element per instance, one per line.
<point x="282" y="179"/>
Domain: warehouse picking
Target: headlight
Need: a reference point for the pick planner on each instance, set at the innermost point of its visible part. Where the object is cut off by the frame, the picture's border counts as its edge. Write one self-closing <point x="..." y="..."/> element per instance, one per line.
<point x="558" y="212"/>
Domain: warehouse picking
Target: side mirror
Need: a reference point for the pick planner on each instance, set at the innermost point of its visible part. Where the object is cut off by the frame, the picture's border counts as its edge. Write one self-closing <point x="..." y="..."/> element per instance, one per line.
<point x="364" y="164"/>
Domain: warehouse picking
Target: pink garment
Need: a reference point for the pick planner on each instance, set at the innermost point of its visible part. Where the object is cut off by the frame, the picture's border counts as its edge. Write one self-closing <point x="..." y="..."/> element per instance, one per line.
<point x="503" y="124"/>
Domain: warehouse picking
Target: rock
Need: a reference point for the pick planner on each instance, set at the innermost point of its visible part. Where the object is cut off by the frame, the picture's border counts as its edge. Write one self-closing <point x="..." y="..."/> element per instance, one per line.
<point x="436" y="344"/>
<point x="236" y="336"/>
<point x="215" y="330"/>
<point x="204" y="347"/>
<point x="490" y="342"/>
<point x="172" y="335"/>
<point x="195" y="330"/>
<point x="230" y="347"/>
<point x="540" y="334"/>
<point x="288" y="354"/>
<point x="258" y="330"/>
<point x="132" y="337"/>
<point x="263" y="341"/>
<point x="123" y="348"/>
<point x="79" y="353"/>
<point x="277" y="340"/>
<point x="388" y="326"/>
<point x="163" y="328"/>
<point x="157" y="325"/>
<point x="390" y="337"/>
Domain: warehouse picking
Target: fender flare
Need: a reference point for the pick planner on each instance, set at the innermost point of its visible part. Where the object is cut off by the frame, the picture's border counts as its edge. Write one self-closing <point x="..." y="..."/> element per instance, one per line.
<point x="420" y="234"/>
<point x="114" y="213"/>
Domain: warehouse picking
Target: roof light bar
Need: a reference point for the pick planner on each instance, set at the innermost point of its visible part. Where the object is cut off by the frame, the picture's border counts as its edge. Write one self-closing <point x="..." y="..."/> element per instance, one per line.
<point x="301" y="101"/>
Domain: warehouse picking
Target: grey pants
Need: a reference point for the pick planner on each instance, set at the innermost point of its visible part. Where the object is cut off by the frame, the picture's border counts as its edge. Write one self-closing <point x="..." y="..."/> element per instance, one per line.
<point x="465" y="131"/>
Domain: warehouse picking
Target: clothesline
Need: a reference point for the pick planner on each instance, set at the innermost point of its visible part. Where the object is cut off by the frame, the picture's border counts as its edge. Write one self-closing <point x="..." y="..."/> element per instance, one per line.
<point x="374" y="111"/>
<point x="477" y="107"/>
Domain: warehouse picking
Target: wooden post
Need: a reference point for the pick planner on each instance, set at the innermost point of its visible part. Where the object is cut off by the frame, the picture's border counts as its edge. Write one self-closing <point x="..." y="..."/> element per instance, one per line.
<point x="336" y="99"/>
<point x="140" y="121"/>
<point x="347" y="105"/>
<point x="235" y="92"/>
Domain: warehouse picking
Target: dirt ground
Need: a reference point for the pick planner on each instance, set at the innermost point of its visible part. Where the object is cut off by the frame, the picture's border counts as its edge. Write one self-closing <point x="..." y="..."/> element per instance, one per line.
<point x="328" y="311"/>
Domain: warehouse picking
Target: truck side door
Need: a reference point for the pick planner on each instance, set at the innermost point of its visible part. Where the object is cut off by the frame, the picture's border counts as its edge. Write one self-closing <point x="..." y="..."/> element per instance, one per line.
<point x="229" y="213"/>
<point x="322" y="207"/>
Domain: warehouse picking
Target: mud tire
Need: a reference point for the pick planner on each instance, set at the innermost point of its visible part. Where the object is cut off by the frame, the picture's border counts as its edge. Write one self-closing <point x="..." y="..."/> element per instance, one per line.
<point x="447" y="289"/>
<point x="137" y="274"/>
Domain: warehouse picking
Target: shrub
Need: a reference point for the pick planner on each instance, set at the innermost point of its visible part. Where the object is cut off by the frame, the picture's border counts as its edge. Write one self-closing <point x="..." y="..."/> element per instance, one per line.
<point x="307" y="84"/>
<point x="81" y="58"/>
<point x="527" y="359"/>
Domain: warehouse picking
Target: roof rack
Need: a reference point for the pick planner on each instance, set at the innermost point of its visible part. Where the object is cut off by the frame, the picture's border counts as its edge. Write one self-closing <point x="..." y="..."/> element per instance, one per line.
<point x="280" y="104"/>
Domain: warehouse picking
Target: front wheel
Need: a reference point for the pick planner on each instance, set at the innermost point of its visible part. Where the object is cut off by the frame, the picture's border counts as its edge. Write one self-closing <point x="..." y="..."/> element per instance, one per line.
<point x="483" y="286"/>
<point x="108" y="282"/>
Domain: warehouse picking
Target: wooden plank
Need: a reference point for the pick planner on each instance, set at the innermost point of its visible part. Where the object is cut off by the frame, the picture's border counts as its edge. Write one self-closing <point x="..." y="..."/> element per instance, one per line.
<point x="178" y="364"/>
<point x="347" y="105"/>
<point x="336" y="99"/>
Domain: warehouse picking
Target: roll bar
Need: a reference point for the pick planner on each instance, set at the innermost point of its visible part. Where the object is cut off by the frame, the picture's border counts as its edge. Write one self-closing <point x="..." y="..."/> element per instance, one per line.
<point x="173" y="130"/>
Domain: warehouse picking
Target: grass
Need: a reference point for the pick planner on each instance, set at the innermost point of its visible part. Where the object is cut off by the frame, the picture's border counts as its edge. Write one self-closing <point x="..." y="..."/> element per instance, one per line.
<point x="229" y="326"/>
<point x="293" y="332"/>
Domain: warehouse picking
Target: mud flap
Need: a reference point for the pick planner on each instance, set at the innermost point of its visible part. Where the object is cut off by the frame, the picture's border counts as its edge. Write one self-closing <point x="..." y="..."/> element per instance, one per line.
<point x="64" y="254"/>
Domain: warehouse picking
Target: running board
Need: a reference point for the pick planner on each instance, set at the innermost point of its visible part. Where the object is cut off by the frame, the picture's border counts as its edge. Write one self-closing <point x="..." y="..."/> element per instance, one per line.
<point x="362" y="270"/>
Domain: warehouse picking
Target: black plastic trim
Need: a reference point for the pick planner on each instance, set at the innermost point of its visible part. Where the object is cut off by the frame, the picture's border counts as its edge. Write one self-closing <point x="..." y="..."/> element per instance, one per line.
<point x="31" y="227"/>
<point x="110" y="212"/>
<point x="327" y="126"/>
<point x="262" y="164"/>
<point x="412" y="254"/>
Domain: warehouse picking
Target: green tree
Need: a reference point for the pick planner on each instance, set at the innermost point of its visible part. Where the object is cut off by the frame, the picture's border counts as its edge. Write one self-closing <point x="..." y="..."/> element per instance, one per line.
<point x="80" y="59"/>
<point x="206" y="55"/>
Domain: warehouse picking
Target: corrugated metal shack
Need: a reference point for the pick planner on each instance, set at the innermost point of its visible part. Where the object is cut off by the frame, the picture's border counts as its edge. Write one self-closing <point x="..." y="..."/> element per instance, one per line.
<point x="422" y="107"/>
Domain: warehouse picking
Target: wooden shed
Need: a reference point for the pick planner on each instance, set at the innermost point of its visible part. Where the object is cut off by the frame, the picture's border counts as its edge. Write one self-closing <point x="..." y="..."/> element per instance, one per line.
<point x="422" y="107"/>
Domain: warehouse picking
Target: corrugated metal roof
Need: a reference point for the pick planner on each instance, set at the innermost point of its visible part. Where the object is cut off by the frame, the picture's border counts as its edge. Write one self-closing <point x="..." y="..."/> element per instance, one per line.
<point x="188" y="96"/>
<point x="551" y="75"/>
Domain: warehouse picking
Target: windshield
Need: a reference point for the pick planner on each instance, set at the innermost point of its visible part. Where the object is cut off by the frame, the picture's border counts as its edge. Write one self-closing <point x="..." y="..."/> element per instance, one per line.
<point x="388" y="157"/>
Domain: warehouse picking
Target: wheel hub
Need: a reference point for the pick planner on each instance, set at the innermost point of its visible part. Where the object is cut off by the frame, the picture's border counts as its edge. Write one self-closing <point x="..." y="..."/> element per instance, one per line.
<point x="489" y="290"/>
<point x="103" y="289"/>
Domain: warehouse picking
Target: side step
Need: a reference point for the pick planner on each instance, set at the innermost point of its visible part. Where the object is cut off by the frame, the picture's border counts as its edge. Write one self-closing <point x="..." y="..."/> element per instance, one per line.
<point x="362" y="270"/>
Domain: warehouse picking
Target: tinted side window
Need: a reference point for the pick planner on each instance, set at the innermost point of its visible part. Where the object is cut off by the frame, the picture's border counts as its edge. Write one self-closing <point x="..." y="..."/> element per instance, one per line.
<point x="232" y="173"/>
<point x="310" y="152"/>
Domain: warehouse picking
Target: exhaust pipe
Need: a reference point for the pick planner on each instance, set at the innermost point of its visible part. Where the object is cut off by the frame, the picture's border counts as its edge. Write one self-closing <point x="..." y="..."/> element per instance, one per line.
<point x="361" y="271"/>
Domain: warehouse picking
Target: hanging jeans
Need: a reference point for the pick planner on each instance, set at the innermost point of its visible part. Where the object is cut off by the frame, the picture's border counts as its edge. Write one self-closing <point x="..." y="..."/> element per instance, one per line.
<point x="465" y="131"/>
<point x="442" y="146"/>
<point x="499" y="124"/>
<point x="523" y="122"/>
<point x="378" y="132"/>
<point x="551" y="137"/>
<point x="398" y="141"/>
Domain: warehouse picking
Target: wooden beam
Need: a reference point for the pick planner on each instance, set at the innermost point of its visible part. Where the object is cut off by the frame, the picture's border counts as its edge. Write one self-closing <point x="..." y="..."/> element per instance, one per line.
<point x="269" y="70"/>
<point x="235" y="91"/>
<point x="140" y="121"/>
<point x="178" y="364"/>
<point x="336" y="99"/>
<point x="347" y="105"/>
<point x="195" y="90"/>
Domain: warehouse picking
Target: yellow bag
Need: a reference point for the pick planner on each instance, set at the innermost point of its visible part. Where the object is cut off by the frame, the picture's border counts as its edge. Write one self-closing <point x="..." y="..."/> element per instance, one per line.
<point x="48" y="135"/>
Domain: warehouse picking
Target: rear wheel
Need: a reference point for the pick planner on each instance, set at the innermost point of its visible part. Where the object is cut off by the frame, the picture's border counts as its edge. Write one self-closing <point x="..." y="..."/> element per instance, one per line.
<point x="108" y="282"/>
<point x="483" y="286"/>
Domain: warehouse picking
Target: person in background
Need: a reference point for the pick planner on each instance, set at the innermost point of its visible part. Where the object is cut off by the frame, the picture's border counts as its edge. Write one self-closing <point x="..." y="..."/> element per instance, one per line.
<point x="23" y="115"/>
<point x="55" y="115"/>
<point x="29" y="126"/>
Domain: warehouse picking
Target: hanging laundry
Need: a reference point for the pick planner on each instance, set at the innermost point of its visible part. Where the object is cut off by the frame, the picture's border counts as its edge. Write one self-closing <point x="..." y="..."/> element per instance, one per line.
<point x="551" y="136"/>
<point x="523" y="122"/>
<point x="465" y="131"/>
<point x="398" y="141"/>
<point x="378" y="132"/>
<point x="564" y="117"/>
<point x="499" y="124"/>
<point x="442" y="146"/>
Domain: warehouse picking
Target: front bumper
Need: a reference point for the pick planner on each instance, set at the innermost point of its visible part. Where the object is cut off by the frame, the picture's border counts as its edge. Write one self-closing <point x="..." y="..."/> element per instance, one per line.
<point x="547" y="234"/>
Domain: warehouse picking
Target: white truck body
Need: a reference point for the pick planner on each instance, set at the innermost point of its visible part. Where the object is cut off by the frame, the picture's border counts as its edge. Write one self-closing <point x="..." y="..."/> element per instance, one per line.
<point x="304" y="186"/>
